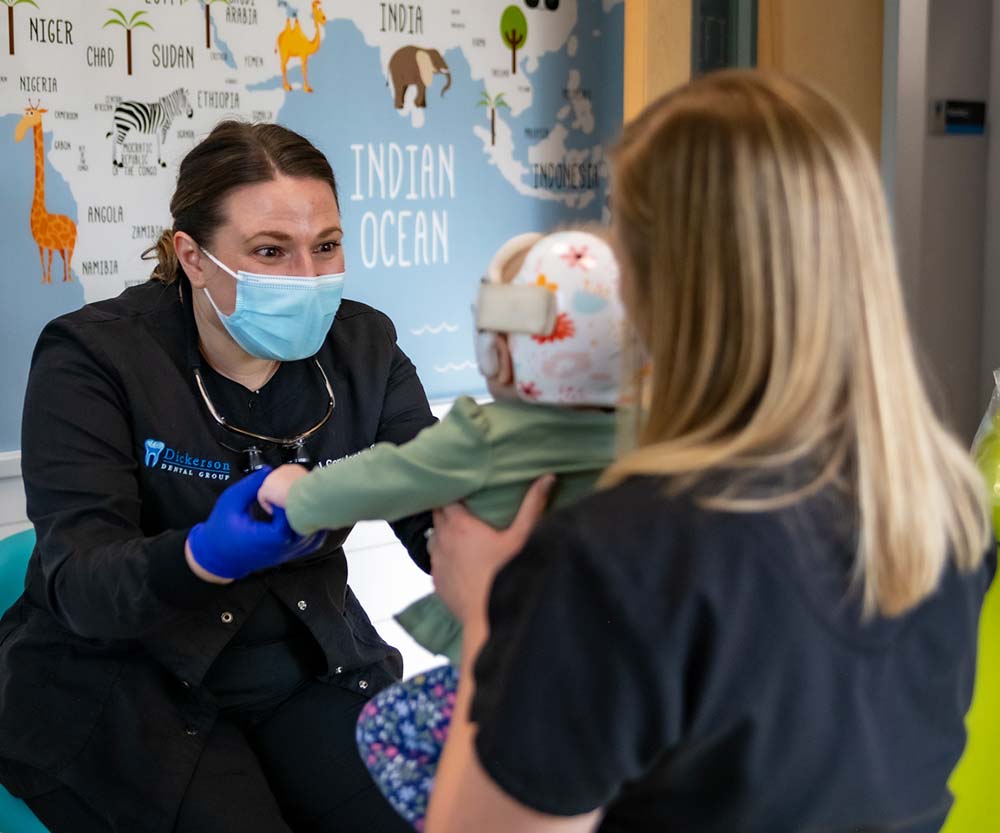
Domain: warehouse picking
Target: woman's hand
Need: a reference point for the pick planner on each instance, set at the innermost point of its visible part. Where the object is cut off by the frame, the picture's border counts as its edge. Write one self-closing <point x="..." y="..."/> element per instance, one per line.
<point x="467" y="553"/>
<point x="274" y="491"/>
<point x="231" y="543"/>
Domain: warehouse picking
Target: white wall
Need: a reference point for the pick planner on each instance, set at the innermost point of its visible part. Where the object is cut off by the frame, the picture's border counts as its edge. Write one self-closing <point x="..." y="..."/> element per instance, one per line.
<point x="939" y="195"/>
<point x="904" y="125"/>
<point x="991" y="270"/>
<point x="381" y="573"/>
<point x="954" y="204"/>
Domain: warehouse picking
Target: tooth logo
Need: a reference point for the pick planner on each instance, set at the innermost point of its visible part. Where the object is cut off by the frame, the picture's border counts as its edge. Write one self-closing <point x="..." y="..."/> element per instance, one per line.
<point x="154" y="448"/>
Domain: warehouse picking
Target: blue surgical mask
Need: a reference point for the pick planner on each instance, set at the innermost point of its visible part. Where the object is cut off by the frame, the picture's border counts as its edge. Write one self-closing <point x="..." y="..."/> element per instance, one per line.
<point x="279" y="316"/>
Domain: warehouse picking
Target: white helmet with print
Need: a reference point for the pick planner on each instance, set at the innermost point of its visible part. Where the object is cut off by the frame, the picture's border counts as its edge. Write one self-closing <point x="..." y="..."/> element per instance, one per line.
<point x="563" y="318"/>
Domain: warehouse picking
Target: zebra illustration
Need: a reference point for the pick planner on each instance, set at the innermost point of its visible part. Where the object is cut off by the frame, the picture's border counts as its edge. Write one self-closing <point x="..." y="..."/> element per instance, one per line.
<point x="148" y="117"/>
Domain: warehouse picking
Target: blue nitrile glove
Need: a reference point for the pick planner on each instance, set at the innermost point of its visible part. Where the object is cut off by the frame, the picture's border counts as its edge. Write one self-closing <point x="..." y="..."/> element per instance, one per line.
<point x="232" y="544"/>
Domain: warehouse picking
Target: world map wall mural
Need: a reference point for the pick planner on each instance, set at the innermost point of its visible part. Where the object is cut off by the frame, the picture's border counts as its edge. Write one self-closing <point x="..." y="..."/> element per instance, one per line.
<point x="451" y="126"/>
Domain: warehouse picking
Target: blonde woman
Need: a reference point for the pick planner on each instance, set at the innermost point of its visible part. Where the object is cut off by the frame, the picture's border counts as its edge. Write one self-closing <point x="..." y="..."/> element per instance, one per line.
<point x="767" y="621"/>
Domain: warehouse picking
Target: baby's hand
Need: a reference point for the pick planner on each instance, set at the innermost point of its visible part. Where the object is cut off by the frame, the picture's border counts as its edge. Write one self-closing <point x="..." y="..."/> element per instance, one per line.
<point x="274" y="490"/>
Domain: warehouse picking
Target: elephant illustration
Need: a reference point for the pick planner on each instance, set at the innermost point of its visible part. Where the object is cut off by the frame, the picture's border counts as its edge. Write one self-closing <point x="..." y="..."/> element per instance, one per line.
<point x="413" y="65"/>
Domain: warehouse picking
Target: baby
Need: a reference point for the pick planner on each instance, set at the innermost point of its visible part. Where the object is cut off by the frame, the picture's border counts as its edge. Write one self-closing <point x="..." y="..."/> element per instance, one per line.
<point x="549" y="328"/>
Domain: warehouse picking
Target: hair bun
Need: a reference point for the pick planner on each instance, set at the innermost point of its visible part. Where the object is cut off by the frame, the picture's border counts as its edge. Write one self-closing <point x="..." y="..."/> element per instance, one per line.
<point x="165" y="256"/>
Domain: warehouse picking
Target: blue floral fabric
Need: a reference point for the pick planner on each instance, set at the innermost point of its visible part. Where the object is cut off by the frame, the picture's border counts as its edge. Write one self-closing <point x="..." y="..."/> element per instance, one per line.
<point x="400" y="735"/>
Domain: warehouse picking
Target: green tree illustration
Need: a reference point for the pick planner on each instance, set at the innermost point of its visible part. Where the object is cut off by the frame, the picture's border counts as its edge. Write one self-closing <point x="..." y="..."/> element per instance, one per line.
<point x="10" y="18"/>
<point x="514" y="30"/>
<point x="208" y="20"/>
<point x="128" y="24"/>
<point x="492" y="103"/>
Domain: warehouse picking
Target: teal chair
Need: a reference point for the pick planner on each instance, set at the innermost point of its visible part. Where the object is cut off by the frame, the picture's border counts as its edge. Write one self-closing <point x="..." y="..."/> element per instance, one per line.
<point x="15" y="817"/>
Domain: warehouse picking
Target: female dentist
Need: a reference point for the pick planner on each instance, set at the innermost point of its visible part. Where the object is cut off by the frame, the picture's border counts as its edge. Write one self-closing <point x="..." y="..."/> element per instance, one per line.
<point x="206" y="665"/>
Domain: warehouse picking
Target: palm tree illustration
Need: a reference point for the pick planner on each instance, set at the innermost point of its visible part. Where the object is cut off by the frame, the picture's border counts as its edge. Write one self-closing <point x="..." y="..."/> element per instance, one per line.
<point x="208" y="20"/>
<point x="128" y="24"/>
<point x="492" y="103"/>
<point x="10" y="18"/>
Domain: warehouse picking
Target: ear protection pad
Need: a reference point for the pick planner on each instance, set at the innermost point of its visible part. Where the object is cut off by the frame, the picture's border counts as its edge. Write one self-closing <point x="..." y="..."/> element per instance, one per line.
<point x="487" y="353"/>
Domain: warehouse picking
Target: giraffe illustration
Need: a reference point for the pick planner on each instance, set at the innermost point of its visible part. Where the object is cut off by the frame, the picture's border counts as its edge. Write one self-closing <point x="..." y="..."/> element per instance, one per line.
<point x="292" y="43"/>
<point x="52" y="232"/>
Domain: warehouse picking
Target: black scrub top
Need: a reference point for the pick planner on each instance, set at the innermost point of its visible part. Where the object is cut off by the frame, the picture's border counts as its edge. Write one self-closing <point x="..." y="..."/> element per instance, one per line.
<point x="102" y="658"/>
<point x="710" y="672"/>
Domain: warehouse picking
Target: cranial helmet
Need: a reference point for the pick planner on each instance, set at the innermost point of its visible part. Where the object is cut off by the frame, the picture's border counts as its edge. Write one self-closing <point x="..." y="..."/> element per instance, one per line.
<point x="562" y="315"/>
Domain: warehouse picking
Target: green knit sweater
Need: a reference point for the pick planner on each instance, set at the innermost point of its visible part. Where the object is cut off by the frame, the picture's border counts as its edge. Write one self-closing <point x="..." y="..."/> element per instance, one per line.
<point x="484" y="455"/>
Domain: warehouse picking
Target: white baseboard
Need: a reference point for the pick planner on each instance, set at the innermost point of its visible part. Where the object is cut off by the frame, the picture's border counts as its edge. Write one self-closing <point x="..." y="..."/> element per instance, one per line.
<point x="10" y="464"/>
<point x="13" y="514"/>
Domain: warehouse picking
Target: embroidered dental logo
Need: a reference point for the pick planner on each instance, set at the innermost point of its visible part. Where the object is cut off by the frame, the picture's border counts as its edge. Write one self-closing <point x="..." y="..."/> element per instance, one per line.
<point x="154" y="448"/>
<point x="158" y="455"/>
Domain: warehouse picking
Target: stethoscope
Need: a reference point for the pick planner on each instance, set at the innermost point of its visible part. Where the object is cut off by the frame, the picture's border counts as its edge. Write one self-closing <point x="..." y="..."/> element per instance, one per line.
<point x="292" y="449"/>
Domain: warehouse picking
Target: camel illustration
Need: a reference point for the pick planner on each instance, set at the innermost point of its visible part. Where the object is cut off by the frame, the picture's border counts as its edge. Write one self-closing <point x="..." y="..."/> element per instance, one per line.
<point x="292" y="43"/>
<point x="52" y="232"/>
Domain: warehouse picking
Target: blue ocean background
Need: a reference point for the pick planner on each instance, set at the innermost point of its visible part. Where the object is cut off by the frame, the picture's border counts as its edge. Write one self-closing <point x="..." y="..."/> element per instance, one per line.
<point x="352" y="104"/>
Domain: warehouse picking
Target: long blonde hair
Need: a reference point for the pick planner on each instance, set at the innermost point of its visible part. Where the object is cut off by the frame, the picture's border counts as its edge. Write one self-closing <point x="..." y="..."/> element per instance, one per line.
<point x="759" y="273"/>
